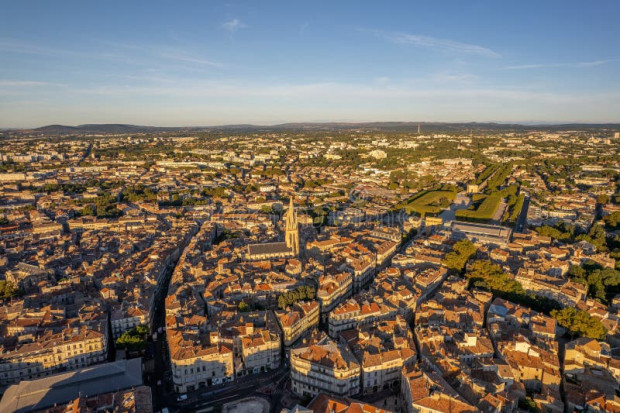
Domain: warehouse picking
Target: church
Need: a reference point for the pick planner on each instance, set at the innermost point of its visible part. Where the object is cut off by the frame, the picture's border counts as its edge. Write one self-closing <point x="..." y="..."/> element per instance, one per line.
<point x="287" y="249"/>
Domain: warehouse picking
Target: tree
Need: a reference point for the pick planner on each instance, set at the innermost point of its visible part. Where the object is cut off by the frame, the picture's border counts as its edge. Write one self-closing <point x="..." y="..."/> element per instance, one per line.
<point x="301" y="293"/>
<point x="488" y="276"/>
<point x="612" y="221"/>
<point x="243" y="307"/>
<point x="602" y="199"/>
<point x="562" y="231"/>
<point x="134" y="339"/>
<point x="596" y="236"/>
<point x="603" y="283"/>
<point x="579" y="323"/>
<point x="461" y="252"/>
<point x="8" y="290"/>
<point x="576" y="272"/>
<point x="526" y="403"/>
<point x="88" y="210"/>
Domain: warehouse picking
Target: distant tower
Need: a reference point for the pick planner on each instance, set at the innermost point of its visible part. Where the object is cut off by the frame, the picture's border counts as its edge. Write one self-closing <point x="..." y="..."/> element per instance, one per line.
<point x="292" y="229"/>
<point x="418" y="128"/>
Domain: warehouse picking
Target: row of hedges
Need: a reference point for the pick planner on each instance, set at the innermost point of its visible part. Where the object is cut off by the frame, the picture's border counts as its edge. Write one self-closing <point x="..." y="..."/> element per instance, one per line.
<point x="484" y="212"/>
<point x="499" y="177"/>
<point x="516" y="209"/>
<point x="486" y="173"/>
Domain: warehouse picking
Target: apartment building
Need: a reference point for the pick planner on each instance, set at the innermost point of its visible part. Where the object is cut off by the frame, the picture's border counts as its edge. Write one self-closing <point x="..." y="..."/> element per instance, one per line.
<point x="27" y="276"/>
<point x="352" y="314"/>
<point x="298" y="319"/>
<point x="71" y="349"/>
<point x="324" y="367"/>
<point x="198" y="361"/>
<point x="126" y="319"/>
<point x="332" y="290"/>
<point x="260" y="351"/>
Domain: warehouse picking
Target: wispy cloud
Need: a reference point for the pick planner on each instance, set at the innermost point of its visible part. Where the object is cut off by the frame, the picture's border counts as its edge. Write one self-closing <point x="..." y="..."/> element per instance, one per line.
<point x="18" y="46"/>
<point x="443" y="77"/>
<point x="129" y="54"/>
<point x="233" y="25"/>
<point x="326" y="91"/>
<point x="189" y="59"/>
<point x="26" y="83"/>
<point x="593" y="63"/>
<point x="437" y="43"/>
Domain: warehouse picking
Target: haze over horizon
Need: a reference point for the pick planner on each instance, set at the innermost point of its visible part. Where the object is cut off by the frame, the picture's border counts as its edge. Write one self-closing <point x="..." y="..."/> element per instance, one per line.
<point x="161" y="64"/>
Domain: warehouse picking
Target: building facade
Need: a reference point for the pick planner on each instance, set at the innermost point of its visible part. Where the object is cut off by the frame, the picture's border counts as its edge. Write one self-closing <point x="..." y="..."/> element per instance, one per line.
<point x="70" y="349"/>
<point x="295" y="321"/>
<point x="324" y="367"/>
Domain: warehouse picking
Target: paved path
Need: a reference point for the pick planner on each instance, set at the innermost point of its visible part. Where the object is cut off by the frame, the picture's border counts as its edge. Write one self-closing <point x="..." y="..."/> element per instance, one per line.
<point x="499" y="213"/>
<point x="449" y="215"/>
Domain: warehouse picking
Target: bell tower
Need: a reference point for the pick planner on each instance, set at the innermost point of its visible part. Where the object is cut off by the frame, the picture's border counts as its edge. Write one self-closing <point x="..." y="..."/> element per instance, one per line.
<point x="292" y="229"/>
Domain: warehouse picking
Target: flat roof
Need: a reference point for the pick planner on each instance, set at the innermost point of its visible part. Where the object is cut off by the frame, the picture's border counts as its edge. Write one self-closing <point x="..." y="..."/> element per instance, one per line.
<point x="485" y="229"/>
<point x="269" y="248"/>
<point x="61" y="388"/>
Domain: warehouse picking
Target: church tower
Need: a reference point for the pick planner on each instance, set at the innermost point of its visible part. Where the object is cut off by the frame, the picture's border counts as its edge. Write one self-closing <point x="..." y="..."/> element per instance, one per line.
<point x="292" y="229"/>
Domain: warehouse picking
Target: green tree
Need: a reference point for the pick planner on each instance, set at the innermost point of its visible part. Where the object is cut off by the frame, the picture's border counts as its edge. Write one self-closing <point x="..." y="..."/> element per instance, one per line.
<point x="461" y="252"/>
<point x="88" y="210"/>
<point x="602" y="199"/>
<point x="579" y="323"/>
<point x="612" y="221"/>
<point x="134" y="339"/>
<point x="488" y="276"/>
<point x="8" y="290"/>
<point x="596" y="236"/>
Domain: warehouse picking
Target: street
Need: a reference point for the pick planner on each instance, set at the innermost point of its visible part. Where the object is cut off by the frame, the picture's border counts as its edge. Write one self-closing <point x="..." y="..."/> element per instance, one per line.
<point x="243" y="387"/>
<point x="522" y="220"/>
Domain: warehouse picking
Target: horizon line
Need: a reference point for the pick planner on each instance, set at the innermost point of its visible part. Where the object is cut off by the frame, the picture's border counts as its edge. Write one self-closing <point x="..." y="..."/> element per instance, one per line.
<point x="520" y="123"/>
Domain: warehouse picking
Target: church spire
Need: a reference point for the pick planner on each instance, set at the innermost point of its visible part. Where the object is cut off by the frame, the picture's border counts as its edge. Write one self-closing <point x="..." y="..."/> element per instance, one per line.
<point x="292" y="228"/>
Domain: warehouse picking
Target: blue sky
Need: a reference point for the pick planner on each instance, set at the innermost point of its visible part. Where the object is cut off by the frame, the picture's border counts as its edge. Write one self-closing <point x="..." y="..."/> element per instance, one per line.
<point x="210" y="63"/>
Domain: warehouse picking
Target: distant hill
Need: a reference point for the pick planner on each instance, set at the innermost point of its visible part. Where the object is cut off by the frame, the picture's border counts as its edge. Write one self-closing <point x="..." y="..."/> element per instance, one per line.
<point x="426" y="127"/>
<point x="110" y="128"/>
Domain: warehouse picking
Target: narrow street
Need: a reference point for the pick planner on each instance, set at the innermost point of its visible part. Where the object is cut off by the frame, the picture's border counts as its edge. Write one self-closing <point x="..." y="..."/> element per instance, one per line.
<point x="520" y="226"/>
<point x="160" y="381"/>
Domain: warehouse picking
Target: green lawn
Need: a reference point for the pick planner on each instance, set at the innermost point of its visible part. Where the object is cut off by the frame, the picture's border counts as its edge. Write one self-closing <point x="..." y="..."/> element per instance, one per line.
<point x="428" y="202"/>
<point x="481" y="212"/>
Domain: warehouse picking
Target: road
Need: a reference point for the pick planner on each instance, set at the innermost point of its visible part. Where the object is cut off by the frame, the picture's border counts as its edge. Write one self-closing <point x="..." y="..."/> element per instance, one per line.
<point x="242" y="387"/>
<point x="162" y="394"/>
<point x="520" y="225"/>
<point x="161" y="385"/>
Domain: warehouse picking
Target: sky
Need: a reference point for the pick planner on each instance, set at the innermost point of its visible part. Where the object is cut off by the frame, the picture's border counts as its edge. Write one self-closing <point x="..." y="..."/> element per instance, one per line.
<point x="201" y="63"/>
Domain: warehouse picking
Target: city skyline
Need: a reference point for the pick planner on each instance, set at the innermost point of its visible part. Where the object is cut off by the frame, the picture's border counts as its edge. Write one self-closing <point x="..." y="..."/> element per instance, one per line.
<point x="203" y="65"/>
